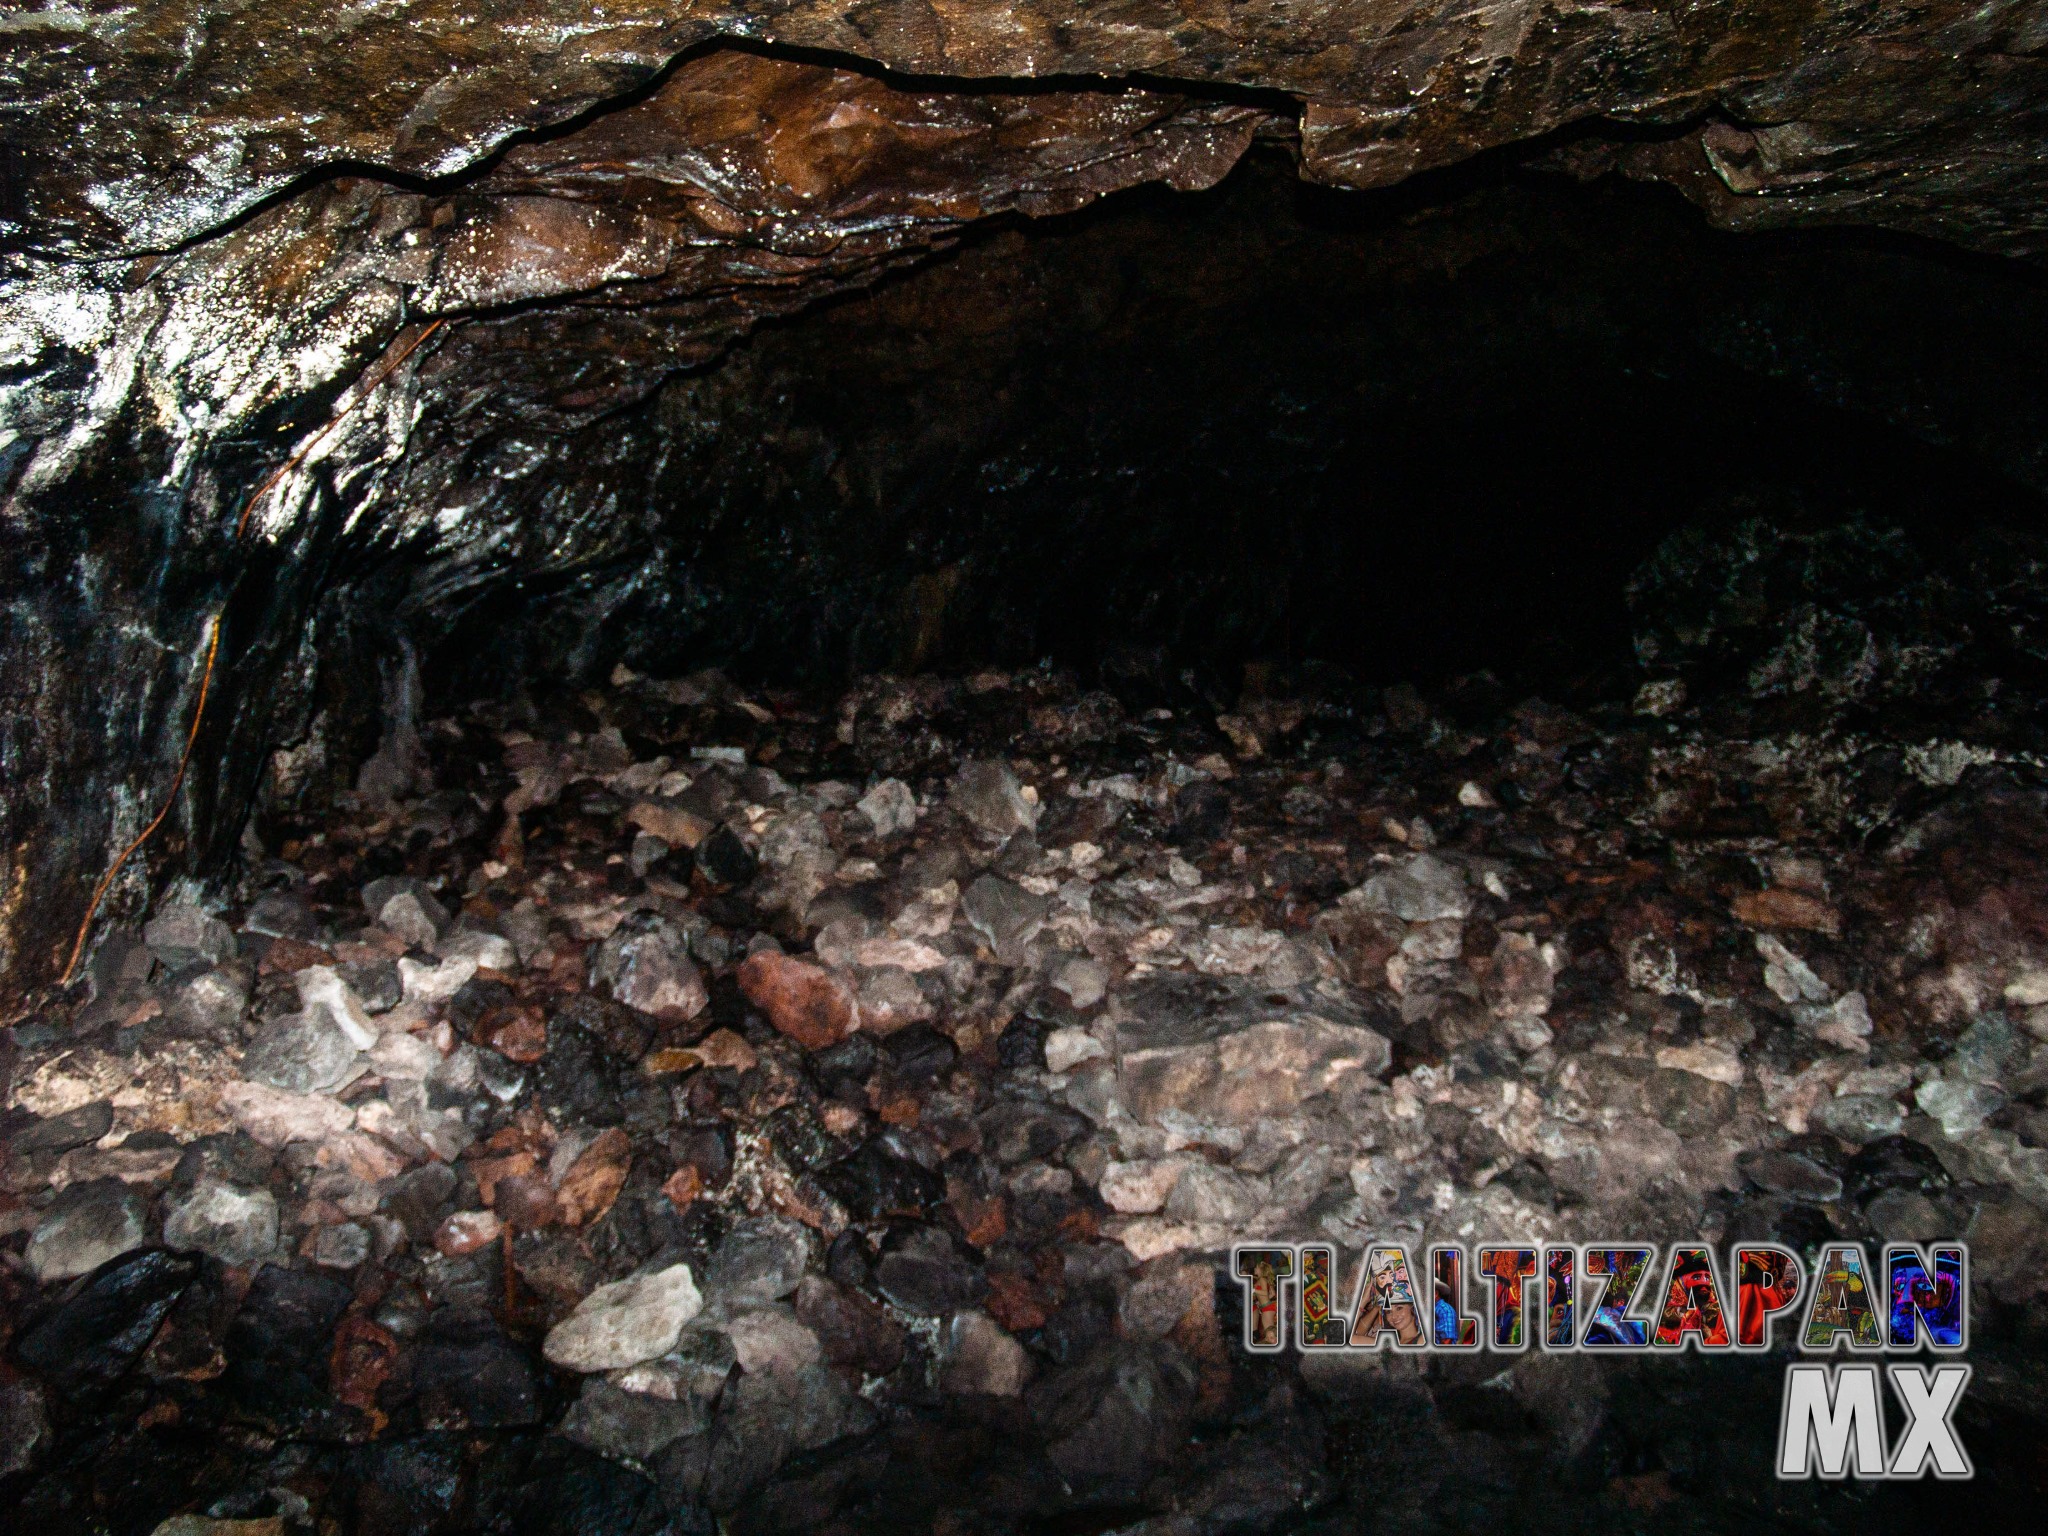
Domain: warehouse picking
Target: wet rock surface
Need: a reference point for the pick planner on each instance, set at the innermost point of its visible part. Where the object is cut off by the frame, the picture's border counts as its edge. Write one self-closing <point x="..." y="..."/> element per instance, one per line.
<point x="223" y="232"/>
<point x="155" y="131"/>
<point x="881" y="1176"/>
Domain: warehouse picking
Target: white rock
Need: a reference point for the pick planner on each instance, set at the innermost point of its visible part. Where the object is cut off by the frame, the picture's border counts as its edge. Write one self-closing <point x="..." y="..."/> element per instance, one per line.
<point x="1083" y="980"/>
<point x="626" y="1322"/>
<point x="275" y="1117"/>
<point x="404" y="1056"/>
<point x="890" y="807"/>
<point x="236" y="1226"/>
<point x="1960" y="1107"/>
<point x="321" y="988"/>
<point x="489" y="950"/>
<point x="406" y="916"/>
<point x="1067" y="1048"/>
<point x="432" y="985"/>
<point x="1717" y="1063"/>
<point x="1790" y="978"/>
<point x="1140" y="1187"/>
<point x="1846" y="1024"/>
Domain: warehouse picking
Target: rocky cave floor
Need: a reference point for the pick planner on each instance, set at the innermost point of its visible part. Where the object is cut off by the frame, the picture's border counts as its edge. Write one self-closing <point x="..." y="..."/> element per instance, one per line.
<point x="680" y="1107"/>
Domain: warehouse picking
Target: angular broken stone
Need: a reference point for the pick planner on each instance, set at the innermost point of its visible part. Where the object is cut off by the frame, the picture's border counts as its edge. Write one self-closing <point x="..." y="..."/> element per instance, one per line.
<point x="85" y="1227"/>
<point x="419" y="904"/>
<point x="322" y="990"/>
<point x="1422" y="889"/>
<point x="981" y="1360"/>
<point x="236" y="1226"/>
<point x="646" y="964"/>
<point x="277" y="1118"/>
<point x="587" y="1186"/>
<point x="989" y="795"/>
<point x="490" y="951"/>
<point x="60" y="1133"/>
<point x="771" y="1338"/>
<point x="1004" y="913"/>
<point x="1961" y="1107"/>
<point x="1860" y="1118"/>
<point x="760" y="1260"/>
<point x="890" y="808"/>
<point x="631" y="1425"/>
<point x="1218" y="1051"/>
<point x="304" y="1052"/>
<point x="808" y="1003"/>
<point x="182" y="933"/>
<point x="626" y="1322"/>
<point x="1787" y="1173"/>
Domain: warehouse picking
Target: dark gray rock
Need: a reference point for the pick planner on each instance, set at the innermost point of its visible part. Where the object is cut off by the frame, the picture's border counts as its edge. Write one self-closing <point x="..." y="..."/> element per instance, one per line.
<point x="630" y="1425"/>
<point x="762" y="1259"/>
<point x="181" y="934"/>
<point x="989" y="796"/>
<point x="1787" y="1173"/>
<point x="87" y="1225"/>
<point x="1004" y="913"/>
<point x="60" y="1133"/>
<point x="305" y="1052"/>
<point x="927" y="1276"/>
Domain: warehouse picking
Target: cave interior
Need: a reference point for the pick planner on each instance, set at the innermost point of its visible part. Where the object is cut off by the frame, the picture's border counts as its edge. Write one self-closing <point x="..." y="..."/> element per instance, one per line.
<point x="1620" y="485"/>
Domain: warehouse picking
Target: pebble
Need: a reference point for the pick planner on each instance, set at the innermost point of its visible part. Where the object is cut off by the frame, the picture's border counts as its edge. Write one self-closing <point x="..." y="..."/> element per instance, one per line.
<point x="86" y="1226"/>
<point x="989" y="795"/>
<point x="626" y="1322"/>
<point x="236" y="1226"/>
<point x="891" y="809"/>
<point x="981" y="1360"/>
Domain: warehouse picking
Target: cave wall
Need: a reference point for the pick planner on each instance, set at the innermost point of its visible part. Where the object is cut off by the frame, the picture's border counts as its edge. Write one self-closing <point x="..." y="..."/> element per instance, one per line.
<point x="142" y="127"/>
<point x="223" y="226"/>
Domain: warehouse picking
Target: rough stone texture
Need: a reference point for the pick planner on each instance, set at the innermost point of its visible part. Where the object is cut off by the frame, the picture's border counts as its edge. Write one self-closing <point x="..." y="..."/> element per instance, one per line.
<point x="88" y="1225"/>
<point x="155" y="130"/>
<point x="626" y="1322"/>
<point x="806" y="1002"/>
<point x="236" y="1226"/>
<point x="1217" y="1052"/>
<point x="250" y="161"/>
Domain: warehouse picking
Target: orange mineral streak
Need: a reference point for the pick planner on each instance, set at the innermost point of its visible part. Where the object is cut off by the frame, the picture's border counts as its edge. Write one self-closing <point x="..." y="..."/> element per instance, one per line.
<point x="213" y="650"/>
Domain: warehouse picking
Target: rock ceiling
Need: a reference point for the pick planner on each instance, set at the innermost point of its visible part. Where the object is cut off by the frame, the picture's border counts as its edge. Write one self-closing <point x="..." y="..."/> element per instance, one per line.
<point x="219" y="222"/>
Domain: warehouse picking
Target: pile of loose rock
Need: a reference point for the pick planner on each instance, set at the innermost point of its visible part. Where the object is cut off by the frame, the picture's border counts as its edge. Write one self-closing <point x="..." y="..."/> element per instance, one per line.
<point x="699" y="1107"/>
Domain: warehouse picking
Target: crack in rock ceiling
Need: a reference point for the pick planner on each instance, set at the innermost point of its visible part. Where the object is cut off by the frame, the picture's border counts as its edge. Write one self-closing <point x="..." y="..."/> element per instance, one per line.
<point x="217" y="221"/>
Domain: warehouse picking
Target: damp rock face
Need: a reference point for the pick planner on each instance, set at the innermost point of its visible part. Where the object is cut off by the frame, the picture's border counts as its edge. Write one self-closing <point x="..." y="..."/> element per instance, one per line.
<point x="151" y="138"/>
<point x="744" y="914"/>
<point x="596" y="219"/>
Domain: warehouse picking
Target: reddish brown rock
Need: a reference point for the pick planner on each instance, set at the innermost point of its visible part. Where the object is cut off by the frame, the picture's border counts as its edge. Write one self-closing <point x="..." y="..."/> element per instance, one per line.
<point x="467" y="1231"/>
<point x="594" y="1180"/>
<point x="516" y="1031"/>
<point x="683" y="1186"/>
<point x="806" y="1002"/>
<point x="1782" y="908"/>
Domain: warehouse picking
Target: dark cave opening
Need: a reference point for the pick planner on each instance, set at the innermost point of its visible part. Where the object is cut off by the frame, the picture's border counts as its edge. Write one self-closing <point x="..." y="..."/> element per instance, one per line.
<point x="1415" y="435"/>
<point x="1505" y="640"/>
